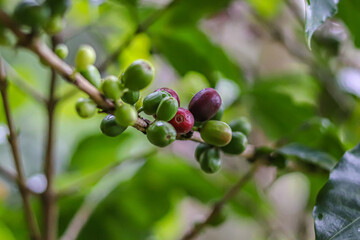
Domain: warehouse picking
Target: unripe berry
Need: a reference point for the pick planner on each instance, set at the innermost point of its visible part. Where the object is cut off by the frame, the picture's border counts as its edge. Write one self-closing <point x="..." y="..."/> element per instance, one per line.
<point x="111" y="87"/>
<point x="210" y="161"/>
<point x="172" y="92"/>
<point x="85" y="107"/>
<point x="183" y="121"/>
<point x="200" y="149"/>
<point x="216" y="133"/>
<point x="54" y="25"/>
<point x="218" y="116"/>
<point x="30" y="13"/>
<point x="167" y="109"/>
<point x="110" y="128"/>
<point x="92" y="74"/>
<point x="205" y="104"/>
<point x="241" y="124"/>
<point x="237" y="144"/>
<point x="85" y="56"/>
<point x="161" y="133"/>
<point x="152" y="101"/>
<point x="131" y="97"/>
<point x="125" y="115"/>
<point x="58" y="7"/>
<point x="61" y="51"/>
<point x="138" y="75"/>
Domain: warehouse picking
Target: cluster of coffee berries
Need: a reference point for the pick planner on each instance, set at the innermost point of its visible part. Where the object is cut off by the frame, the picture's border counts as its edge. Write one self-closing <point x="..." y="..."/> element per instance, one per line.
<point x="47" y="16"/>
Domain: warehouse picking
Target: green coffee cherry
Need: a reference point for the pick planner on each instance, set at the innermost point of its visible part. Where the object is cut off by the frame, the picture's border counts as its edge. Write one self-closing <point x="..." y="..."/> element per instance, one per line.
<point x="92" y="74"/>
<point x="241" y="124"/>
<point x="85" y="107"/>
<point x="131" y="97"/>
<point x="216" y="133"/>
<point x="218" y="116"/>
<point x="161" y="133"/>
<point x="167" y="109"/>
<point x="110" y="128"/>
<point x="125" y="115"/>
<point x="218" y="219"/>
<point x="210" y="161"/>
<point x="58" y="7"/>
<point x="138" y="75"/>
<point x="111" y="87"/>
<point x="237" y="144"/>
<point x="54" y="25"/>
<point x="200" y="149"/>
<point x="85" y="56"/>
<point x="61" y="50"/>
<point x="30" y="13"/>
<point x="152" y="101"/>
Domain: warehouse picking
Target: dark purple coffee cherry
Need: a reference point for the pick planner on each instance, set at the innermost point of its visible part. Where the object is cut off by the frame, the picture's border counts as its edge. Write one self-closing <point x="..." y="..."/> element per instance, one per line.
<point x="205" y="104"/>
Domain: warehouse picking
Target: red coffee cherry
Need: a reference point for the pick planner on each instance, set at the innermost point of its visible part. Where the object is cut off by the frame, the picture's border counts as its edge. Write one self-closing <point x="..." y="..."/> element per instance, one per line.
<point x="205" y="104"/>
<point x="183" y="121"/>
<point x="173" y="93"/>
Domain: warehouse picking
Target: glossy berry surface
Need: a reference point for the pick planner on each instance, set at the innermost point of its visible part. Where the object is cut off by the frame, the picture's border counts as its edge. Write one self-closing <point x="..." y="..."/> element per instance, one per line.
<point x="111" y="87"/>
<point x="92" y="74"/>
<point x="152" y="101"/>
<point x="61" y="51"/>
<point x="138" y="75"/>
<point x="200" y="149"/>
<point x="205" y="104"/>
<point x="167" y="109"/>
<point x="85" y="107"/>
<point x="110" y="128"/>
<point x="183" y="121"/>
<point x="237" y="144"/>
<point x="161" y="133"/>
<point x="85" y="56"/>
<point x="125" y="115"/>
<point x="216" y="133"/>
<point x="210" y="161"/>
<point x="172" y="92"/>
<point x="241" y="124"/>
<point x="131" y="97"/>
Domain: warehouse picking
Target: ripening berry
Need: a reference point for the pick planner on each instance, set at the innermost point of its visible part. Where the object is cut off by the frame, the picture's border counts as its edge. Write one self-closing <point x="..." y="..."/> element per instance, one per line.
<point x="241" y="124"/>
<point x="205" y="104"/>
<point x="85" y="56"/>
<point x="210" y="161"/>
<point x="92" y="74"/>
<point x="111" y="87"/>
<point x="61" y="50"/>
<point x="31" y="13"/>
<point x="152" y="101"/>
<point x="161" y="133"/>
<point x="54" y="25"/>
<point x="125" y="115"/>
<point x="216" y="133"/>
<point x="131" y="97"/>
<point x="138" y="75"/>
<point x="167" y="109"/>
<point x="172" y="92"/>
<point x="183" y="121"/>
<point x="85" y="107"/>
<point x="200" y="149"/>
<point x="237" y="144"/>
<point x="110" y="128"/>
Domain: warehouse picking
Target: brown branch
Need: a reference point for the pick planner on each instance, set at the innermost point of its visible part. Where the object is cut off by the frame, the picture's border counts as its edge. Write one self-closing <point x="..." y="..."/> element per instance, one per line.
<point x="29" y="214"/>
<point x="218" y="206"/>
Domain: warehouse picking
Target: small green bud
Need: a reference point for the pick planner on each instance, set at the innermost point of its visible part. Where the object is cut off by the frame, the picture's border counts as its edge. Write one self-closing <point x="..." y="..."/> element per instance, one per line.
<point x="85" y="56"/>
<point x="61" y="50"/>
<point x="85" y="107"/>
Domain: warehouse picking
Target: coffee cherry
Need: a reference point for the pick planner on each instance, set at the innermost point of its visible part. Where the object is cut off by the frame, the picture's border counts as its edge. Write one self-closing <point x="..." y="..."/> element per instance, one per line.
<point x="237" y="144"/>
<point x="210" y="161"/>
<point x="216" y="133"/>
<point x="173" y="93"/>
<point x="152" y="101"/>
<point x="61" y="51"/>
<point x="218" y="116"/>
<point x="131" y="97"/>
<point x="54" y="25"/>
<point x="125" y="115"/>
<point x="92" y="74"/>
<point x="138" y="75"/>
<point x="30" y="13"/>
<point x="161" y="133"/>
<point x="110" y="128"/>
<point x="205" y="104"/>
<point x="183" y="121"/>
<point x="111" y="87"/>
<point x="85" y="107"/>
<point x="58" y="7"/>
<point x="167" y="109"/>
<point x="200" y="149"/>
<point x="241" y="124"/>
<point x="85" y="56"/>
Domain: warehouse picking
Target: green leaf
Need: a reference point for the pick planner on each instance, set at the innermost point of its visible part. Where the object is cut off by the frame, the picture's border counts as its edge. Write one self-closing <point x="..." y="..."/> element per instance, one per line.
<point x="309" y="155"/>
<point x="337" y="209"/>
<point x="317" y="12"/>
<point x="349" y="12"/>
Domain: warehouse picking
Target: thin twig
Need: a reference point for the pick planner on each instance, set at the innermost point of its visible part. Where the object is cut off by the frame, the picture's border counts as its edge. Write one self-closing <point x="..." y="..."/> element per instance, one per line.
<point x="218" y="206"/>
<point x="29" y="214"/>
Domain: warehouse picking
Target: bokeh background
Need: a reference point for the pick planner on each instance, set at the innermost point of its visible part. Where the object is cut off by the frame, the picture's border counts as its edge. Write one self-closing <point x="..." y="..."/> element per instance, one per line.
<point x="255" y="54"/>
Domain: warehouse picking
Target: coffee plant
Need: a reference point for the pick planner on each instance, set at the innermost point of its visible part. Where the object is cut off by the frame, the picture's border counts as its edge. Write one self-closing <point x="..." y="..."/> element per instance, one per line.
<point x="179" y="119"/>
